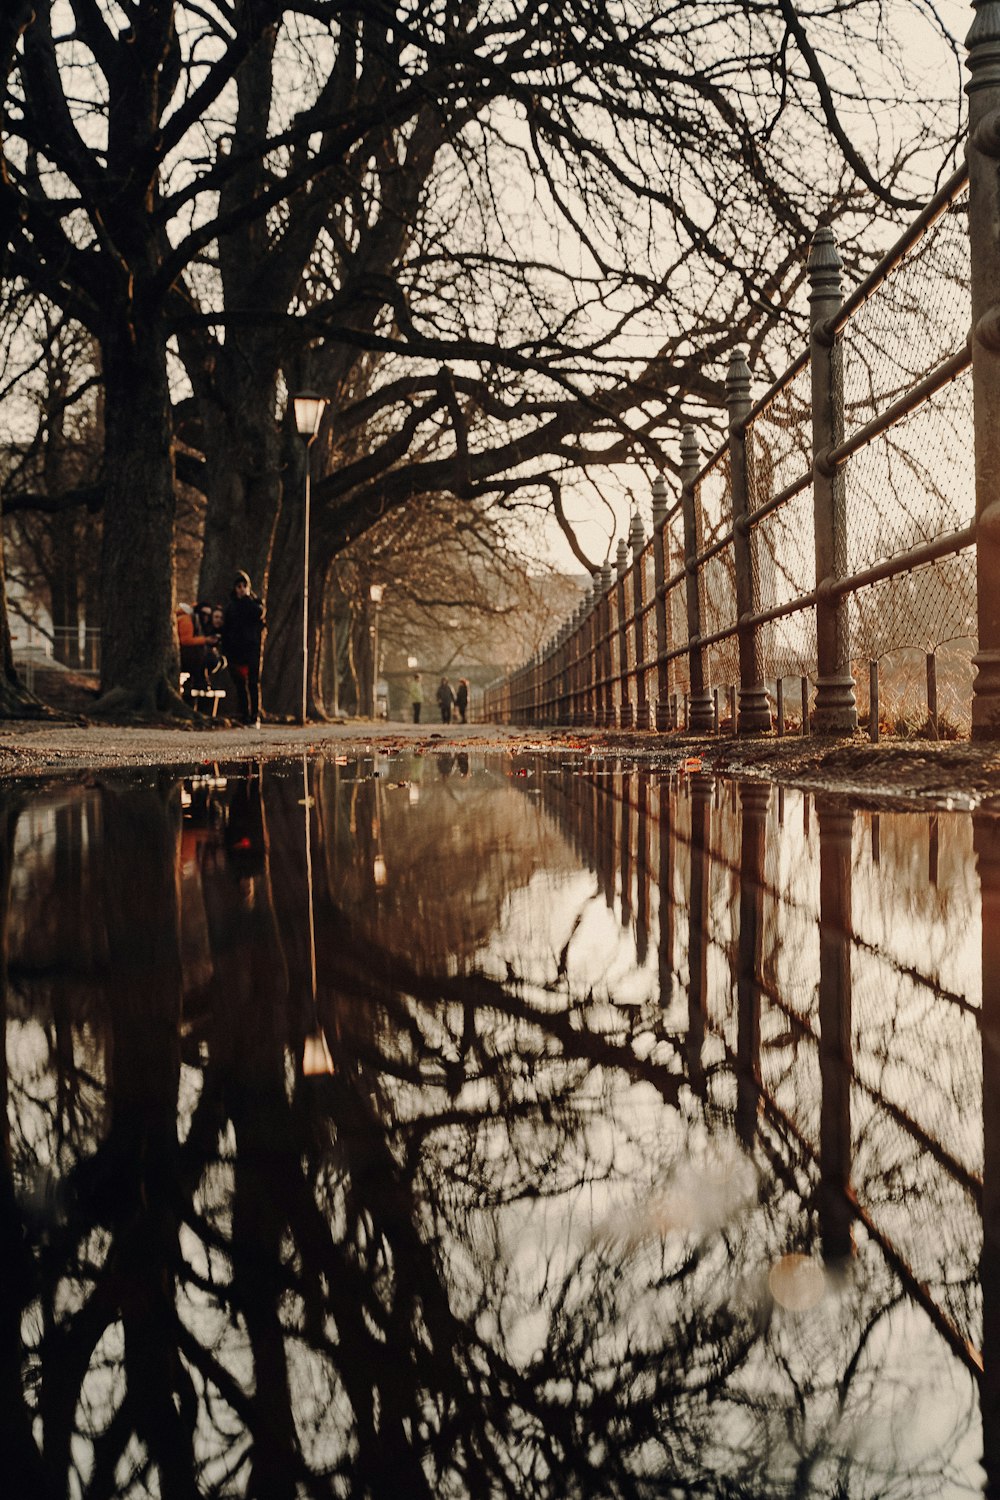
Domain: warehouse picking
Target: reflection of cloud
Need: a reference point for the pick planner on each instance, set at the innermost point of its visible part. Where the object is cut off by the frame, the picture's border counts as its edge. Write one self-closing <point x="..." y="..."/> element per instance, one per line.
<point x="697" y="1198"/>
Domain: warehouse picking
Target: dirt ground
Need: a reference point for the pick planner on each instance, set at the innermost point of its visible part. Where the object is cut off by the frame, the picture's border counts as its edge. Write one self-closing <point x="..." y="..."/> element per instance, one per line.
<point x="920" y="773"/>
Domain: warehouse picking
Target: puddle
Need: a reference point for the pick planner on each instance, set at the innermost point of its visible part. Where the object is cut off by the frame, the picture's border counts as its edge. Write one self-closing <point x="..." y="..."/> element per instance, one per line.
<point x="464" y="1125"/>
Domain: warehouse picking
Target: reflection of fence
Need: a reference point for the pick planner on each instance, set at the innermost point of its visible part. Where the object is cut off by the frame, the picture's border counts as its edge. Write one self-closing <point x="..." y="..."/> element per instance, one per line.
<point x="848" y="1063"/>
<point x="834" y="528"/>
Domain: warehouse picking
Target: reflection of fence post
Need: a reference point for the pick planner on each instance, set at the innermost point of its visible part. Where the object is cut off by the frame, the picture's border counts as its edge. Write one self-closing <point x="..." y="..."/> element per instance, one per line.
<point x="638" y="543"/>
<point x="624" y="700"/>
<point x="625" y="851"/>
<point x="754" y="710"/>
<point x="835" y="1057"/>
<point x="754" y="800"/>
<point x="986" y="837"/>
<point x="660" y="598"/>
<point x="698" y="909"/>
<point x="642" y="868"/>
<point x="983" y="88"/>
<point x="835" y="710"/>
<point x="665" y="892"/>
<point x="700" y="701"/>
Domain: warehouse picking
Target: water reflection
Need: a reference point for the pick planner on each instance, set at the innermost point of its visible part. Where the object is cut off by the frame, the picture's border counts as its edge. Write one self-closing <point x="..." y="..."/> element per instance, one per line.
<point x="426" y="1126"/>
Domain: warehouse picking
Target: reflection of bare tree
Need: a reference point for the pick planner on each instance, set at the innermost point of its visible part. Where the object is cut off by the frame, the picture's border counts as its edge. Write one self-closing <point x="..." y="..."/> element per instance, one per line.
<point x="477" y="1259"/>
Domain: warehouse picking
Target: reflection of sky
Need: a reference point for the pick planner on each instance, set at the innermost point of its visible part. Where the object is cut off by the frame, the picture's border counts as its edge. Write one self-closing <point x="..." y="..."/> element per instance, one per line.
<point x="585" y="1216"/>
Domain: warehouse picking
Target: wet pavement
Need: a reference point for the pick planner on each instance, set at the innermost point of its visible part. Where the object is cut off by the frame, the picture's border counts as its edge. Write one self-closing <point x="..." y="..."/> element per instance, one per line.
<point x="463" y="1121"/>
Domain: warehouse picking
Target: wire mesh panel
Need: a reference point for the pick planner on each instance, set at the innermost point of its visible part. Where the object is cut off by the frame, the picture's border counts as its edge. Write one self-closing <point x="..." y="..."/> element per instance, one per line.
<point x="926" y="608"/>
<point x="678" y="671"/>
<point x="779" y="440"/>
<point x="916" y="482"/>
<point x="717" y="575"/>
<point x="782" y="543"/>
<point x="916" y="318"/>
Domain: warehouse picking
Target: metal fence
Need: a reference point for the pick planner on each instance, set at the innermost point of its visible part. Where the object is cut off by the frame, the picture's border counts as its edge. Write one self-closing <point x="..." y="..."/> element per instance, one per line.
<point x="834" y="533"/>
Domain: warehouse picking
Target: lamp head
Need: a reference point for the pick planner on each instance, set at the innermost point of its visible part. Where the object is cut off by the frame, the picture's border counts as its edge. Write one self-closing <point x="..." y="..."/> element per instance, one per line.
<point x="309" y="407"/>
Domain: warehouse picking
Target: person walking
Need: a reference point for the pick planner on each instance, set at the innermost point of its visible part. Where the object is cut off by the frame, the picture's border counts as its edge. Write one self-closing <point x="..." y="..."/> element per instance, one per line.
<point x="416" y="696"/>
<point x="445" y="698"/>
<point x="242" y="634"/>
<point x="462" y="698"/>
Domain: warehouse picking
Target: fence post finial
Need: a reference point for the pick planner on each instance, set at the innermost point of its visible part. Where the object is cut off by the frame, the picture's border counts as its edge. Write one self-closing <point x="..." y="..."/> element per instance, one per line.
<point x="659" y="501"/>
<point x="621" y="557"/>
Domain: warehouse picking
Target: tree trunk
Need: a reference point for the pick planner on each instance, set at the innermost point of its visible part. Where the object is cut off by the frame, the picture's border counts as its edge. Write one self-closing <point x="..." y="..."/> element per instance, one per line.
<point x="282" y="678"/>
<point x="15" y="700"/>
<point x="242" y="448"/>
<point x="138" y="645"/>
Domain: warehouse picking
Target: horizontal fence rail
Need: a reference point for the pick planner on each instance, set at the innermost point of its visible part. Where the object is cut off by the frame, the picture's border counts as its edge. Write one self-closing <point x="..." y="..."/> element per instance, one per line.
<point x="833" y="533"/>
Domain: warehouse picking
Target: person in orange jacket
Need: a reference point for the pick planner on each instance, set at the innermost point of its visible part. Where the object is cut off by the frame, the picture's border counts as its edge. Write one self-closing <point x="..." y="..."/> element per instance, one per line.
<point x="193" y="647"/>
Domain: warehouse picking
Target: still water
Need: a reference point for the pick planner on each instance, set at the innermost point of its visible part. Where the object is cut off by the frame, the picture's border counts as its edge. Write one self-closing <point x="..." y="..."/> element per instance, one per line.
<point x="469" y="1127"/>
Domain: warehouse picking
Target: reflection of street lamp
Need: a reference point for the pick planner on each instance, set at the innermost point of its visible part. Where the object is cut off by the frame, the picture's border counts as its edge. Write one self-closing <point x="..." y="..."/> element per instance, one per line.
<point x="376" y="594"/>
<point x="308" y="415"/>
<point x="316" y="1058"/>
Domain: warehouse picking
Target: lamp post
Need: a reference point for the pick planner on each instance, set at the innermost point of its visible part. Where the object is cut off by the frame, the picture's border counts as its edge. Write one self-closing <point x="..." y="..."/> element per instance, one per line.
<point x="309" y="409"/>
<point x="376" y="594"/>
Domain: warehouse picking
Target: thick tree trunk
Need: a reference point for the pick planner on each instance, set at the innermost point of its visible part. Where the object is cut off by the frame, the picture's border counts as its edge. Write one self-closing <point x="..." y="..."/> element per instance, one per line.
<point x="242" y="447"/>
<point x="282" y="678"/>
<point x="15" y="700"/>
<point x="138" y="646"/>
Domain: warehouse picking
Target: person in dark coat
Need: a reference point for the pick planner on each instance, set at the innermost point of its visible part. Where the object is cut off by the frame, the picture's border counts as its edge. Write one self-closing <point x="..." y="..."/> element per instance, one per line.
<point x="462" y="698"/>
<point x="445" y="698"/>
<point x="242" y="634"/>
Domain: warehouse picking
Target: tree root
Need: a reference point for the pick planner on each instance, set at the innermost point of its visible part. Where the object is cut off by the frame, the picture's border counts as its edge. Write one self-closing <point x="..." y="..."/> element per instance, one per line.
<point x="17" y="703"/>
<point x="156" y="702"/>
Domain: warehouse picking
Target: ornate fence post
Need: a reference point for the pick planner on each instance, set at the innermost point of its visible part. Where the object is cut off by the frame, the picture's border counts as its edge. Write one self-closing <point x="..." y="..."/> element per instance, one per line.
<point x="607" y="691"/>
<point x="836" y="710"/>
<point x="624" y="701"/>
<point x="660" y="606"/>
<point x="590" y="639"/>
<point x="754" y="709"/>
<point x="699" y="718"/>
<point x="637" y="541"/>
<point x="983" y="89"/>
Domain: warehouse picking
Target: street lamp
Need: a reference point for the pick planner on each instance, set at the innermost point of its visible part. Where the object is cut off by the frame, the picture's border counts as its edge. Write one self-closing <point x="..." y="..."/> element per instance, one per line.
<point x="309" y="409"/>
<point x="376" y="594"/>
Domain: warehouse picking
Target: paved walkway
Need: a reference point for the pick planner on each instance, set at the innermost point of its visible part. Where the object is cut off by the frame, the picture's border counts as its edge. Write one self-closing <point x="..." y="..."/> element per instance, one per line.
<point x="30" y="748"/>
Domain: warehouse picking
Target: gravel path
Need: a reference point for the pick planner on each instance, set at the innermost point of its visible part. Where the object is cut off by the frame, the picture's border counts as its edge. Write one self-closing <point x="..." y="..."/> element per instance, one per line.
<point x="913" y="772"/>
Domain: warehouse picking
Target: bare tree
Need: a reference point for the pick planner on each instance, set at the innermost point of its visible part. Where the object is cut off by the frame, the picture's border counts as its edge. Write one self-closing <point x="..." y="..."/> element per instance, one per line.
<point x="506" y="250"/>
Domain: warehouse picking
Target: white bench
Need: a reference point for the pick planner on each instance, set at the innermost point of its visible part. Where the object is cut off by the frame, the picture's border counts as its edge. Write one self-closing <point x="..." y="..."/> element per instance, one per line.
<point x="208" y="693"/>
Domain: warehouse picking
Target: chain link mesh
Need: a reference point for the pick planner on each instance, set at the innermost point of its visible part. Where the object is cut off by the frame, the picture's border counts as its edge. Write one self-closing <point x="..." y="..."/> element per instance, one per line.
<point x="914" y="320"/>
<point x="915" y="483"/>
